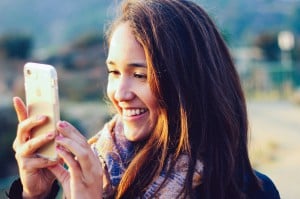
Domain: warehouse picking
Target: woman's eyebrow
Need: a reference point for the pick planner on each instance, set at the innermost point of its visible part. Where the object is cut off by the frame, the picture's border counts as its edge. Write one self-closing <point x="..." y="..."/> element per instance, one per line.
<point x="133" y="64"/>
<point x="144" y="65"/>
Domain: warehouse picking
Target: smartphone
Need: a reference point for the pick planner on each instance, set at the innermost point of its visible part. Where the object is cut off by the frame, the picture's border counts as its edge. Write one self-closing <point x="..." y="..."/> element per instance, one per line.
<point x="41" y="91"/>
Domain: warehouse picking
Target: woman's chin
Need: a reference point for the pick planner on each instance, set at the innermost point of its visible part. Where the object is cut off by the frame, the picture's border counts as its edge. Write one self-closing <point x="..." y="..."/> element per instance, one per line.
<point x="135" y="135"/>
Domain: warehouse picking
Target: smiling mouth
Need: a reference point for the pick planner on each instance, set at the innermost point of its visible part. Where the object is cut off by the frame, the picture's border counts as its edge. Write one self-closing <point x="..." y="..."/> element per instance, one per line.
<point x="134" y="112"/>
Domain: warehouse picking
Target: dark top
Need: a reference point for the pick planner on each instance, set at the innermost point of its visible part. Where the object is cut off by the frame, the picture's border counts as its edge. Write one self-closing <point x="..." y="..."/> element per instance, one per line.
<point x="16" y="190"/>
<point x="269" y="190"/>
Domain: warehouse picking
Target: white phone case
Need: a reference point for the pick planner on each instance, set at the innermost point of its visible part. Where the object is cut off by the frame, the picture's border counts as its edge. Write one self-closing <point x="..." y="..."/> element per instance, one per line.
<point x="41" y="90"/>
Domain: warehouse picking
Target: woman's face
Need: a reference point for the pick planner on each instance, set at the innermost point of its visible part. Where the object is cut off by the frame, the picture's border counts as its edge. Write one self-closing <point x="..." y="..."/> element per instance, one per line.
<point x="128" y="88"/>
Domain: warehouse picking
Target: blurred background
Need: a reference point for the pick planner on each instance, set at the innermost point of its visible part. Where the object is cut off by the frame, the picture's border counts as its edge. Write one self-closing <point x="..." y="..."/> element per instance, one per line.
<point x="263" y="36"/>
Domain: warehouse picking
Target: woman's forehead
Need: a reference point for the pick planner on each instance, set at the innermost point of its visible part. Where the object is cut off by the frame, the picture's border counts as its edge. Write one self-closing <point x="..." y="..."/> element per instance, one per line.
<point x="124" y="47"/>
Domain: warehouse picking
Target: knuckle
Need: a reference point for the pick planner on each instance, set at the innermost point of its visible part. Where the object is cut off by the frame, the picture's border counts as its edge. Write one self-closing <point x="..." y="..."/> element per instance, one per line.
<point x="21" y="126"/>
<point x="68" y="142"/>
<point x="17" y="156"/>
<point x="23" y="165"/>
<point x="92" y="176"/>
<point x="14" y="145"/>
<point x="44" y="161"/>
<point x="84" y="155"/>
<point x="89" y="181"/>
<point x="29" y="148"/>
<point x="97" y="171"/>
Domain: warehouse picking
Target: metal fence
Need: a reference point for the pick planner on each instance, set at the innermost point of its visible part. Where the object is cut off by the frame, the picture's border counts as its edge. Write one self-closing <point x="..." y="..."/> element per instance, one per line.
<point x="272" y="80"/>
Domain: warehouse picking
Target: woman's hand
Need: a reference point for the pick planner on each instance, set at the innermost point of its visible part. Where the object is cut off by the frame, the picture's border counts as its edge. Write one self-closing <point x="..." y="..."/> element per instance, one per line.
<point x="35" y="178"/>
<point x="83" y="179"/>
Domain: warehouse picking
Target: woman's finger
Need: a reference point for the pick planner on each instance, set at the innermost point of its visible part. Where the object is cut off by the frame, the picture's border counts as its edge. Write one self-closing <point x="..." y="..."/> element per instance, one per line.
<point x="32" y="145"/>
<point x="61" y="174"/>
<point x="82" y="152"/>
<point x="67" y="130"/>
<point x="76" y="143"/>
<point x="20" y="108"/>
<point x="24" y="127"/>
<point x="69" y="159"/>
<point x="24" y="130"/>
<point x="33" y="163"/>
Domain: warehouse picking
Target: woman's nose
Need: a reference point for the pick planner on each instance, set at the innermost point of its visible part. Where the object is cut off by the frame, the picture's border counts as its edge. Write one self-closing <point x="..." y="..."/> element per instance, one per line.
<point x="124" y="90"/>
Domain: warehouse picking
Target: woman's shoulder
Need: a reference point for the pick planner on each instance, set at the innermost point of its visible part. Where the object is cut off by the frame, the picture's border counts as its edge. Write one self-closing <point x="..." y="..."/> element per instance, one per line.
<point x="268" y="191"/>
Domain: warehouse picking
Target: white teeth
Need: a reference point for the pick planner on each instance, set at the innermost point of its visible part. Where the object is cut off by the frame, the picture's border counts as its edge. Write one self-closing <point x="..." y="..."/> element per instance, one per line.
<point x="134" y="112"/>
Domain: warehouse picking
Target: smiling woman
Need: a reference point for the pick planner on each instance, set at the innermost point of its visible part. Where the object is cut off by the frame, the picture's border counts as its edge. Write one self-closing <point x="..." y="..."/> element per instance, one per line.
<point x="128" y="88"/>
<point x="180" y="130"/>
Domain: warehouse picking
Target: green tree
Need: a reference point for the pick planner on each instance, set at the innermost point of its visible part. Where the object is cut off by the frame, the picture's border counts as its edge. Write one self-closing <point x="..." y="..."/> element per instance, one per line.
<point x="267" y="41"/>
<point x="295" y="20"/>
<point x="16" y="46"/>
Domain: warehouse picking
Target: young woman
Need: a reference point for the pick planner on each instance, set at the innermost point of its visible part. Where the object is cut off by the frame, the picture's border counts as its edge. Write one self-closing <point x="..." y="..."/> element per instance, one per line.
<point x="180" y="129"/>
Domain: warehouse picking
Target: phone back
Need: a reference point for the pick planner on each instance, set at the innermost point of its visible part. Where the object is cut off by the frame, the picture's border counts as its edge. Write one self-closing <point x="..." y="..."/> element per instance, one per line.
<point x="41" y="90"/>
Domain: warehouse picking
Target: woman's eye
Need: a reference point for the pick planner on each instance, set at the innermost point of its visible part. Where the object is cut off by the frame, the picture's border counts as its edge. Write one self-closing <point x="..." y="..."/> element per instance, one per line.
<point x="113" y="72"/>
<point x="140" y="75"/>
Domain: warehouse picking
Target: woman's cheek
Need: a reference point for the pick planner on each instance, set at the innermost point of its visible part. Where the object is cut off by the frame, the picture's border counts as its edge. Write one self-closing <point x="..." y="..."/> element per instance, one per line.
<point x="110" y="90"/>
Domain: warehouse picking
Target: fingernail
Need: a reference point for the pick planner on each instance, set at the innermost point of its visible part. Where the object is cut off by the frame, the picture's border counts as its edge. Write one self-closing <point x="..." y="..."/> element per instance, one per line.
<point x="40" y="117"/>
<point x="52" y="166"/>
<point x="60" y="148"/>
<point x="63" y="124"/>
<point x="50" y="135"/>
<point x="59" y="137"/>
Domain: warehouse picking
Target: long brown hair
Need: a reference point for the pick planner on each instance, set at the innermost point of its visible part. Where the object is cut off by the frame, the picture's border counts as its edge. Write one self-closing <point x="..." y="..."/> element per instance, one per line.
<point x="202" y="106"/>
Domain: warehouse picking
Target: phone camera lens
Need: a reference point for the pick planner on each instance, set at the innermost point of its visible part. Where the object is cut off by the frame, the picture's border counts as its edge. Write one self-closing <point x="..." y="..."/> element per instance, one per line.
<point x="28" y="72"/>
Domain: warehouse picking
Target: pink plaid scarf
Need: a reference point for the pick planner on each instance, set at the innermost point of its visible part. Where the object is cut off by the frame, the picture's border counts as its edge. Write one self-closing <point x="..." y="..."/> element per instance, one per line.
<point x="115" y="152"/>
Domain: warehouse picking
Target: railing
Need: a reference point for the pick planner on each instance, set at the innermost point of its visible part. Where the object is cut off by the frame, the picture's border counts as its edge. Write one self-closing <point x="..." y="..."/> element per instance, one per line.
<point x="271" y="80"/>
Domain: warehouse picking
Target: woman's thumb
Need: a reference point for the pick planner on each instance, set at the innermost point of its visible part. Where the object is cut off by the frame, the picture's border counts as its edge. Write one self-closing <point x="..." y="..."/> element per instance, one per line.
<point x="61" y="174"/>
